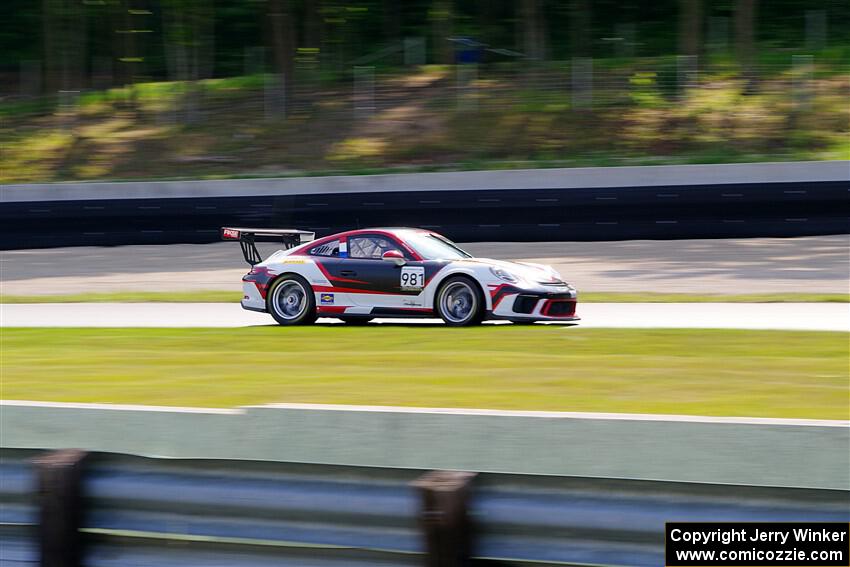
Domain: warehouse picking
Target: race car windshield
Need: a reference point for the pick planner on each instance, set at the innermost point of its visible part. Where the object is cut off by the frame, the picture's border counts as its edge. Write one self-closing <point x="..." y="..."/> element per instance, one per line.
<point x="432" y="247"/>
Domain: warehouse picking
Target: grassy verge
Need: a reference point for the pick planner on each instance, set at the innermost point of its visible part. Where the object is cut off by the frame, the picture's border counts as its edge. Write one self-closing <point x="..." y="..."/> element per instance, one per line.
<point x="700" y="372"/>
<point x="213" y="296"/>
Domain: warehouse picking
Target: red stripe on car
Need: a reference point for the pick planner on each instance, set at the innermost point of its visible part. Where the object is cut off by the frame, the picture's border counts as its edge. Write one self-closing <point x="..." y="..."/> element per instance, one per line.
<point x="331" y="309"/>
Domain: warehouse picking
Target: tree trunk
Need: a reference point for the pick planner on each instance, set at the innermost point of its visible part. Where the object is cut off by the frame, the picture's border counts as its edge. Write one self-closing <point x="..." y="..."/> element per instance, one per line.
<point x="49" y="33"/>
<point x="283" y="44"/>
<point x="129" y="54"/>
<point x="313" y="23"/>
<point x="65" y="47"/>
<point x="690" y="27"/>
<point x="745" y="16"/>
<point x="441" y="31"/>
<point x="116" y="23"/>
<point x="534" y="33"/>
<point x="485" y="10"/>
<point x="205" y="40"/>
<point x="393" y="21"/>
<point x="581" y="36"/>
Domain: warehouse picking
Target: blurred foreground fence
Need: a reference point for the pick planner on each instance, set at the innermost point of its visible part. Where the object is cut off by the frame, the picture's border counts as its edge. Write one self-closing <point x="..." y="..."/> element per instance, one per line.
<point x="312" y="485"/>
<point x="118" y="510"/>
<point x="660" y="202"/>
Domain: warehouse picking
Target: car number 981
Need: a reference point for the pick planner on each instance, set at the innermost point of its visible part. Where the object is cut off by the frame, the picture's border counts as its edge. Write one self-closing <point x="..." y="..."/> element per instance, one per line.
<point x="412" y="277"/>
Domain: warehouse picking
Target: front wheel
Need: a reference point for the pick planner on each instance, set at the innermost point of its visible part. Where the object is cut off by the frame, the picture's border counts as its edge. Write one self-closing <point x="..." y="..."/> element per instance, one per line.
<point x="460" y="302"/>
<point x="291" y="301"/>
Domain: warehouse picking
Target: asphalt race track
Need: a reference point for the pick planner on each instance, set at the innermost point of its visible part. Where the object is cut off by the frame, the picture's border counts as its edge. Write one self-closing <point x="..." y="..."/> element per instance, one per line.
<point x="818" y="264"/>
<point x="789" y="316"/>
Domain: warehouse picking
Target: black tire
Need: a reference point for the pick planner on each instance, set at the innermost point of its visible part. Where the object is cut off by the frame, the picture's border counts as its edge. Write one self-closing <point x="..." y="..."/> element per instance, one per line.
<point x="460" y="302"/>
<point x="355" y="320"/>
<point x="291" y="301"/>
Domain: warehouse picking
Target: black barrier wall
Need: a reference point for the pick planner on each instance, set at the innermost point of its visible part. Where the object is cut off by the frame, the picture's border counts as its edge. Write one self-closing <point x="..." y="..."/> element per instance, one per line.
<point x="572" y="212"/>
<point x="793" y="209"/>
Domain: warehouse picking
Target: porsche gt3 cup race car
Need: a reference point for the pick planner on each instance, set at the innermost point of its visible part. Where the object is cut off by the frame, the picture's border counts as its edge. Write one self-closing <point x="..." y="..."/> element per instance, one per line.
<point x="361" y="274"/>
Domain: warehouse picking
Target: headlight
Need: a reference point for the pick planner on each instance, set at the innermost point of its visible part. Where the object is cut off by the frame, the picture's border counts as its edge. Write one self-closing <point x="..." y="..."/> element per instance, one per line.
<point x="503" y="274"/>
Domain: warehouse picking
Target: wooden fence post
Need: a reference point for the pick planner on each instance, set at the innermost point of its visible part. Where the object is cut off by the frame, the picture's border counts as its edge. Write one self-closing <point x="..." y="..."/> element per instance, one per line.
<point x="59" y="475"/>
<point x="444" y="517"/>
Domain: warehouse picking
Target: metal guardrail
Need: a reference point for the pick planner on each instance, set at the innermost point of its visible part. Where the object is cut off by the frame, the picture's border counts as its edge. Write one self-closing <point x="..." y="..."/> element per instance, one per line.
<point x="587" y="521"/>
<point x="782" y="199"/>
<point x="18" y="513"/>
<point x="258" y="512"/>
<point x="156" y="512"/>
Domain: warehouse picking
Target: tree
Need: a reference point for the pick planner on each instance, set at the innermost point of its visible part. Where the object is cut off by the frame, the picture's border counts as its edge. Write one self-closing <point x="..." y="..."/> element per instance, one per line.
<point x="441" y="30"/>
<point x="534" y="30"/>
<point x="189" y="38"/>
<point x="580" y="29"/>
<point x="189" y="45"/>
<point x="393" y="20"/>
<point x="745" y="15"/>
<point x="690" y="27"/>
<point x="283" y="43"/>
<point x="65" y="37"/>
<point x="312" y="23"/>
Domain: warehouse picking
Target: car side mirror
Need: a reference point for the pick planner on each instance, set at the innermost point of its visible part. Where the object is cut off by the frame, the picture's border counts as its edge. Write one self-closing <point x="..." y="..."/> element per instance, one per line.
<point x="394" y="256"/>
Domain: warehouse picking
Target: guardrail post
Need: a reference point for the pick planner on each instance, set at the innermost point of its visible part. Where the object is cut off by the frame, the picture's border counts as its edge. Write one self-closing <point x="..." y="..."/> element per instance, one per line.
<point x="444" y="518"/>
<point x="59" y="475"/>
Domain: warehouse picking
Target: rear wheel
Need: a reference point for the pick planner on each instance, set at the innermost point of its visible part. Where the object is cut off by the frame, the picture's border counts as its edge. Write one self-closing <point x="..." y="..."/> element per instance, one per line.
<point x="352" y="320"/>
<point x="291" y="301"/>
<point x="460" y="302"/>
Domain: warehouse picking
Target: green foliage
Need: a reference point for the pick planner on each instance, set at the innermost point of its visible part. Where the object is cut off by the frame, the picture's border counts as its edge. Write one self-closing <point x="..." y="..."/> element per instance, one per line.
<point x="195" y="102"/>
<point x="357" y="28"/>
<point x="645" y="90"/>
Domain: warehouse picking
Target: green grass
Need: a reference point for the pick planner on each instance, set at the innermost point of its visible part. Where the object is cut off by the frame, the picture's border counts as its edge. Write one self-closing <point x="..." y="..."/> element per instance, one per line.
<point x="699" y="372"/>
<point x="213" y="296"/>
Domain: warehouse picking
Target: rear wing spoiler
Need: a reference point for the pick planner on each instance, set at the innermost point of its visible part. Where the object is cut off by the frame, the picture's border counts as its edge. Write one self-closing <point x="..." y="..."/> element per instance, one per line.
<point x="246" y="237"/>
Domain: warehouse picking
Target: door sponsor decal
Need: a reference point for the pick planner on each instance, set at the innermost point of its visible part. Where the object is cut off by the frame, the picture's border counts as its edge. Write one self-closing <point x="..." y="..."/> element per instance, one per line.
<point x="412" y="278"/>
<point x="327" y="299"/>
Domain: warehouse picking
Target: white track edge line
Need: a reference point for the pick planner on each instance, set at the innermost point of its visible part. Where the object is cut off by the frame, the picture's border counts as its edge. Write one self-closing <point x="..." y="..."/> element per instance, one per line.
<point x="445" y="411"/>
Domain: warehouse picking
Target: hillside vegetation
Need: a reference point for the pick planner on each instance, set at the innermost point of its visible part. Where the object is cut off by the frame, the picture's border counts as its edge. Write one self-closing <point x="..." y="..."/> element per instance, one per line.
<point x="431" y="117"/>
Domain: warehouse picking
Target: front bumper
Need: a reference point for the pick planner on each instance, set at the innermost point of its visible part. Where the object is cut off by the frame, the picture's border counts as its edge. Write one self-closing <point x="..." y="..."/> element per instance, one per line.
<point x="535" y="305"/>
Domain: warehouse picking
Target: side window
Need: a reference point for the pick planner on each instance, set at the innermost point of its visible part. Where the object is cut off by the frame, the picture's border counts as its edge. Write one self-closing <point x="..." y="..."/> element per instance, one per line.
<point x="327" y="249"/>
<point x="371" y="247"/>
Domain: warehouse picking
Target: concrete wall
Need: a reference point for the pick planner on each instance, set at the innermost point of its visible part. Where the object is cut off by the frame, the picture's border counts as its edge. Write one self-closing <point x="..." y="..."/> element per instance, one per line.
<point x="566" y="178"/>
<point x="761" y="452"/>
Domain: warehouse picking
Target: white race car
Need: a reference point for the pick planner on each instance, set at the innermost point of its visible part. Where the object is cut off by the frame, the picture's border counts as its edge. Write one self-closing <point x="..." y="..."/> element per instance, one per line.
<point x="358" y="275"/>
